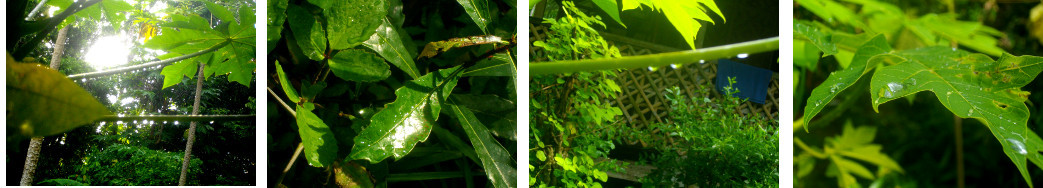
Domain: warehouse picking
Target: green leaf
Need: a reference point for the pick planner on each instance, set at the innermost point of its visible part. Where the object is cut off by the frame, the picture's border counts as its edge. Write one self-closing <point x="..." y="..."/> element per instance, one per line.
<point x="610" y="8"/>
<point x="713" y="6"/>
<point x="682" y="21"/>
<point x="395" y="130"/>
<point x="310" y="91"/>
<point x="351" y="22"/>
<point x="840" y="80"/>
<point x="351" y="175"/>
<point x="44" y="102"/>
<point x="812" y="33"/>
<point x="970" y="85"/>
<point x="389" y="45"/>
<point x="173" y="73"/>
<point x="359" y="66"/>
<point x="115" y="12"/>
<point x="541" y="155"/>
<point x="308" y="32"/>
<point x="495" y="159"/>
<point x="324" y="4"/>
<point x="220" y="12"/>
<point x="320" y="146"/>
<point x="287" y="87"/>
<point x="276" y="18"/>
<point x="501" y="64"/>
<point x="479" y="12"/>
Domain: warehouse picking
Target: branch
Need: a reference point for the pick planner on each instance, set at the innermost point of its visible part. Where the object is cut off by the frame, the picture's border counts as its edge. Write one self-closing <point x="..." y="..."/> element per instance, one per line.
<point x="146" y="65"/>
<point x="180" y="117"/>
<point x="51" y="24"/>
<point x="655" y="60"/>
<point x="283" y="103"/>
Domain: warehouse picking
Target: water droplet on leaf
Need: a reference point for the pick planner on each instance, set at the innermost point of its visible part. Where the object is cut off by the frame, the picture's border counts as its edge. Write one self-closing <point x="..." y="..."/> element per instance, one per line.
<point x="1017" y="146"/>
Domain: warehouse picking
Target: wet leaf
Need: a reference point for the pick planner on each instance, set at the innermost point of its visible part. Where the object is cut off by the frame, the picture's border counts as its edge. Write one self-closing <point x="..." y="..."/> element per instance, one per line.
<point x="389" y="45"/>
<point x="479" y="12"/>
<point x="395" y="130"/>
<point x="352" y="22"/>
<point x="308" y="32"/>
<point x="276" y="18"/>
<point x="320" y="146"/>
<point x="811" y="33"/>
<point x="840" y="80"/>
<point x="500" y="64"/>
<point x="43" y="102"/>
<point x="324" y="4"/>
<point x="434" y="48"/>
<point x="497" y="162"/>
<point x="971" y="85"/>
<point x="360" y="66"/>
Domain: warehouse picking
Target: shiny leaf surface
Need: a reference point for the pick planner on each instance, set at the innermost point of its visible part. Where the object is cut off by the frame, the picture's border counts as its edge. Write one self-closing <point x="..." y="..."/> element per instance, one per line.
<point x="308" y="32"/>
<point x="395" y="130"/>
<point x="320" y="146"/>
<point x="497" y="162"/>
<point x="287" y="87"/>
<point x="388" y="44"/>
<point x="479" y="12"/>
<point x="840" y="80"/>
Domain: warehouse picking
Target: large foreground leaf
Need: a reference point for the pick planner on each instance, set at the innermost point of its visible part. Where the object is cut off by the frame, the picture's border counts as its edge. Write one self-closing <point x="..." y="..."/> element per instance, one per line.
<point x="389" y="45"/>
<point x="351" y="22"/>
<point x="840" y="80"/>
<point x="360" y="66"/>
<point x="610" y="8"/>
<point x="42" y="101"/>
<point x="970" y="85"/>
<point x="320" y="146"/>
<point x="395" y="130"/>
<point x="496" y="161"/>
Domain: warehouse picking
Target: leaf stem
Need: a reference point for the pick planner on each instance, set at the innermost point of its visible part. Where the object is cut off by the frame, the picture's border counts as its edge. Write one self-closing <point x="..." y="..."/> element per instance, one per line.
<point x="145" y="65"/>
<point x="655" y="60"/>
<point x="300" y="147"/>
<point x="287" y="107"/>
<point x="811" y="151"/>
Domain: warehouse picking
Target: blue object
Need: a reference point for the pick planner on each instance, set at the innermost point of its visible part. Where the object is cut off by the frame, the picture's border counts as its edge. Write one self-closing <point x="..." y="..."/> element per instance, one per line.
<point x="751" y="81"/>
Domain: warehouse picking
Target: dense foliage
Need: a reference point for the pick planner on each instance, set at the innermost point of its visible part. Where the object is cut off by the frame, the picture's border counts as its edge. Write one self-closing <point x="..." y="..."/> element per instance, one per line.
<point x="963" y="53"/>
<point x="374" y="93"/>
<point x="140" y="152"/>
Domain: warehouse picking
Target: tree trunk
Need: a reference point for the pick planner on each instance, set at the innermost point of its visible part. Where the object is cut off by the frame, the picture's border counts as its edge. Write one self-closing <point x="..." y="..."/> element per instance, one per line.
<point x="37" y="142"/>
<point x="191" y="128"/>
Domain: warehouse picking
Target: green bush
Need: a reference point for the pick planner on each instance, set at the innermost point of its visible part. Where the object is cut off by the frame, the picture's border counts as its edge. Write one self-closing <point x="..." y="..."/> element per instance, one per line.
<point x="126" y="165"/>
<point x="718" y="146"/>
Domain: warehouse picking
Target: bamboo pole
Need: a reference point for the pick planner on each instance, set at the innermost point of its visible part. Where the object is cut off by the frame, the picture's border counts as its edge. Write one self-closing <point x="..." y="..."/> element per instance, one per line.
<point x="146" y="65"/>
<point x="655" y="60"/>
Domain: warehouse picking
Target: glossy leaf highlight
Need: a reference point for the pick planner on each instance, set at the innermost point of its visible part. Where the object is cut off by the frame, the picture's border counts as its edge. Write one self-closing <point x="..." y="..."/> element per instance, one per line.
<point x="497" y="162"/>
<point x="840" y="80"/>
<point x="351" y="22"/>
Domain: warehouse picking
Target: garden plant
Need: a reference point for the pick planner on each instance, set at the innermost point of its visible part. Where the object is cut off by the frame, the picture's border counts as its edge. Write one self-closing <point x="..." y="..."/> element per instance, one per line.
<point x="929" y="93"/>
<point x="575" y="128"/>
<point x="391" y="93"/>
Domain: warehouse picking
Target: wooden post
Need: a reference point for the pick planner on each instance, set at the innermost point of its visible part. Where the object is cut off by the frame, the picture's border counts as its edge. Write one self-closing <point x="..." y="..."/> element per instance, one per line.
<point x="191" y="128"/>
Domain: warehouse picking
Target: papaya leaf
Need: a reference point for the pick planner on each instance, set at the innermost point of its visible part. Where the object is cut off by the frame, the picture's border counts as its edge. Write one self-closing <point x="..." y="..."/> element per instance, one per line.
<point x="43" y="102"/>
<point x="389" y="45"/>
<point x="970" y="85"/>
<point x="821" y="39"/>
<point x="320" y="146"/>
<point x="115" y="12"/>
<point x="479" y="12"/>
<point x="173" y="73"/>
<point x="220" y="12"/>
<point x="308" y="32"/>
<point x="840" y="80"/>
<point x="277" y="16"/>
<point x="495" y="159"/>
<point x="610" y="8"/>
<point x="287" y="87"/>
<point x="352" y="22"/>
<point x="359" y="66"/>
<point x="395" y="130"/>
<point x="853" y="143"/>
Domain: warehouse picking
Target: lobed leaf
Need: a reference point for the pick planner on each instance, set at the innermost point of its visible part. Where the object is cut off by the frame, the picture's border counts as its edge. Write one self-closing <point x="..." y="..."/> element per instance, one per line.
<point x="840" y="80"/>
<point x="220" y="12"/>
<point x="395" y="130"/>
<point x="970" y="85"/>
